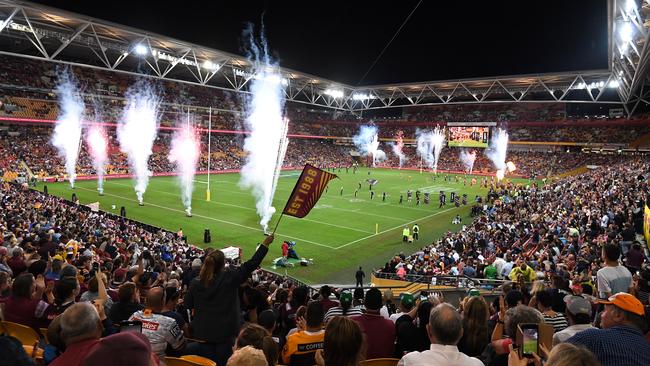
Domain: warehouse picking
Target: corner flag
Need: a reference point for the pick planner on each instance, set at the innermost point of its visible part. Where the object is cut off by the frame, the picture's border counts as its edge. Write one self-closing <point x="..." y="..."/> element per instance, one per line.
<point x="308" y="189"/>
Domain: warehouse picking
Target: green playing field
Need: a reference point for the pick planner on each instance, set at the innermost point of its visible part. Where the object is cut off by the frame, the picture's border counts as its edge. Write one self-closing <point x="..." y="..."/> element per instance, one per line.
<point x="343" y="230"/>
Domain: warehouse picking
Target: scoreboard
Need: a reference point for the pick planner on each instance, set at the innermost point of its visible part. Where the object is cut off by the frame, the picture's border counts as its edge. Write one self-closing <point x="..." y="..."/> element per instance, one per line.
<point x="468" y="136"/>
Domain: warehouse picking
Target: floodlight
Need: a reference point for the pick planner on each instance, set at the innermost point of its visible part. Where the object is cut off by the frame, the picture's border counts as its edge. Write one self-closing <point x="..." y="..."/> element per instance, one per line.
<point x="141" y="49"/>
<point x="334" y="93"/>
<point x="626" y="32"/>
<point x="209" y="65"/>
<point x="614" y="84"/>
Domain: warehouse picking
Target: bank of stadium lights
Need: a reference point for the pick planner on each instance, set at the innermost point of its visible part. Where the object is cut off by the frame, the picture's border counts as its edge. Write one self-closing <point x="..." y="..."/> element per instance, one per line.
<point x="597" y="85"/>
<point x="362" y="96"/>
<point x="334" y="93"/>
<point x="140" y="49"/>
<point x="210" y="66"/>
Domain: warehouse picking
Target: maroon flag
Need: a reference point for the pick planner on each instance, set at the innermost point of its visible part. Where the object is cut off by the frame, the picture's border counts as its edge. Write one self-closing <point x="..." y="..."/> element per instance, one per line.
<point x="310" y="186"/>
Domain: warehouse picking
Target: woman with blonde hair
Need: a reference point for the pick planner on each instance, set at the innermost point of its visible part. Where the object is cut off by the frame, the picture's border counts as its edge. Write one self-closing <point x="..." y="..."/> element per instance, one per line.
<point x="564" y="354"/>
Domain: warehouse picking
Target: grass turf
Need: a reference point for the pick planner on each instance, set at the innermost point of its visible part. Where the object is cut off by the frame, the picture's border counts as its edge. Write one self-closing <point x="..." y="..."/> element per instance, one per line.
<point x="339" y="232"/>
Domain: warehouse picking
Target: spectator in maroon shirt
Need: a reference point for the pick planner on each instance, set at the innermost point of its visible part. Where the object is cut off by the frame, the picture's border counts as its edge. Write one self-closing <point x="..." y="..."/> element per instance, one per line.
<point x="17" y="261"/>
<point x="379" y="331"/>
<point x="326" y="292"/>
<point x="25" y="306"/>
<point x="634" y="258"/>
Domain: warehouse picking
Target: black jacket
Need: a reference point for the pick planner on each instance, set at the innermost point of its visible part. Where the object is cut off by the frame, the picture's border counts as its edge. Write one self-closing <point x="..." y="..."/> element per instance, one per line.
<point x="217" y="315"/>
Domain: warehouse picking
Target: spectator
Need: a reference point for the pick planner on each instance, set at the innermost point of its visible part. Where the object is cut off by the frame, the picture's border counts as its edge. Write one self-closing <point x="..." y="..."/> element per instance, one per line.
<point x="81" y="330"/>
<point x="406" y="304"/>
<point x="25" y="306"/>
<point x="613" y="278"/>
<point x="579" y="316"/>
<point x="17" y="261"/>
<point x="379" y="332"/>
<point x="325" y="293"/>
<point x="97" y="290"/>
<point x="256" y="336"/>
<point x="389" y="307"/>
<point x="215" y="300"/>
<point x="129" y="302"/>
<point x="621" y="341"/>
<point x="544" y="302"/>
<point x="564" y="354"/>
<point x="343" y="344"/>
<point x="522" y="269"/>
<point x="172" y="295"/>
<point x="507" y="325"/>
<point x="345" y="309"/>
<point x="445" y="329"/>
<point x="12" y="351"/>
<point x="162" y="331"/>
<point x="411" y="330"/>
<point x="4" y="267"/>
<point x="247" y="356"/>
<point x="475" y="326"/>
<point x="122" y="349"/>
<point x="301" y="347"/>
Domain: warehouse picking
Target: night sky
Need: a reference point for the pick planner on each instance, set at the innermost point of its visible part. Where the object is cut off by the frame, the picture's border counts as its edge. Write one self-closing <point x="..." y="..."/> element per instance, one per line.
<point x="339" y="40"/>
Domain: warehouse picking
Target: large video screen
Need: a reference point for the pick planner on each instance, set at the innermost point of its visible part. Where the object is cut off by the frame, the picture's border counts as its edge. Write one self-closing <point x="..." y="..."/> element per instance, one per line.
<point x="465" y="136"/>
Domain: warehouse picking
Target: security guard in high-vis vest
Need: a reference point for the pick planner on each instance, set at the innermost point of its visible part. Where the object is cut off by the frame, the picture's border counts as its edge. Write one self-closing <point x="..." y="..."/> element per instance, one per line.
<point x="416" y="231"/>
<point x="405" y="233"/>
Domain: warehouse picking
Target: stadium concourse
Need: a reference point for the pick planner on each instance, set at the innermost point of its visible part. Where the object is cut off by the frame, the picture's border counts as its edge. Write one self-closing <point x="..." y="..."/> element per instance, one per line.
<point x="552" y="271"/>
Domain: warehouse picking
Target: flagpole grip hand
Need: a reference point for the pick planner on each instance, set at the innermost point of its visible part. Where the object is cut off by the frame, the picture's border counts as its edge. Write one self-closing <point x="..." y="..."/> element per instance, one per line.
<point x="268" y="240"/>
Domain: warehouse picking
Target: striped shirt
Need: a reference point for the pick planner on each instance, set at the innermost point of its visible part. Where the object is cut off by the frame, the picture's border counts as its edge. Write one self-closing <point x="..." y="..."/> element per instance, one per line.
<point x="338" y="311"/>
<point x="558" y="321"/>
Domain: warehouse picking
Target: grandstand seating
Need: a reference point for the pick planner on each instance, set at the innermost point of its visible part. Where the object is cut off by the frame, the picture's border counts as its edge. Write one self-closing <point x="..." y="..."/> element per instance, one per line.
<point x="558" y="227"/>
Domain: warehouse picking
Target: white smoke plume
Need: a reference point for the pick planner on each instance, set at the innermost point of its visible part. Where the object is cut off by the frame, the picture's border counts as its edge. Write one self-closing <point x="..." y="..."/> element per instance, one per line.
<point x="429" y="146"/>
<point x="137" y="130"/>
<point x="468" y="158"/>
<point x="98" y="149"/>
<point x="367" y="142"/>
<point x="438" y="144"/>
<point x="265" y="121"/>
<point x="496" y="152"/>
<point x="398" y="148"/>
<point x="184" y="153"/>
<point x="67" y="132"/>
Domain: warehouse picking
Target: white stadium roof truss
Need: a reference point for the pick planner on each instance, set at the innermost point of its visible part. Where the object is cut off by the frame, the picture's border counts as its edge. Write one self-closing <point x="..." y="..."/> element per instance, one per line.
<point x="39" y="32"/>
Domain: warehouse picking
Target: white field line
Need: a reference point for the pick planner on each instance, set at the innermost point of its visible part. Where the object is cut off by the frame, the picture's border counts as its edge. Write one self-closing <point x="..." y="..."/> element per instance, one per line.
<point x="210" y="218"/>
<point x="329" y="208"/>
<point x="252" y="209"/>
<point x="393" y="228"/>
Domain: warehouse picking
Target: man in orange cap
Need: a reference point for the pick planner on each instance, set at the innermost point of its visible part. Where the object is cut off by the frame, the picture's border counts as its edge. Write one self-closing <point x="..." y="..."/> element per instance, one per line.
<point x="621" y="341"/>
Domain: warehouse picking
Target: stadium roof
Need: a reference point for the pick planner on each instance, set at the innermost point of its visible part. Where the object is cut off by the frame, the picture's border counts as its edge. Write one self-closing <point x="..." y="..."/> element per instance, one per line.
<point x="36" y="31"/>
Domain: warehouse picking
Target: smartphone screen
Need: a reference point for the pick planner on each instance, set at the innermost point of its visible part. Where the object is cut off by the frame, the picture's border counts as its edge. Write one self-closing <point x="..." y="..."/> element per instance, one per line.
<point x="531" y="336"/>
<point x="131" y="326"/>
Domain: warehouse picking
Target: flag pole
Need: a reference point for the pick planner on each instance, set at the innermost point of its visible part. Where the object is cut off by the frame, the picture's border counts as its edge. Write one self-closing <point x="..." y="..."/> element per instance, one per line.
<point x="277" y="223"/>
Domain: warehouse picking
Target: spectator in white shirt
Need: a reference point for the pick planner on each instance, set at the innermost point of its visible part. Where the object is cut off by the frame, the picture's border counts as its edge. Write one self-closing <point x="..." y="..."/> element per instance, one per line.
<point x="578" y="312"/>
<point x="445" y="329"/>
<point x="613" y="278"/>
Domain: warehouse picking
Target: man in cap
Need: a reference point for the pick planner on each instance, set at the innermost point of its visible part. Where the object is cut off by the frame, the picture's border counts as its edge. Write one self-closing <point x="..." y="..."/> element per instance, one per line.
<point x="621" y="341"/>
<point x="379" y="331"/>
<point x="406" y="303"/>
<point x="578" y="313"/>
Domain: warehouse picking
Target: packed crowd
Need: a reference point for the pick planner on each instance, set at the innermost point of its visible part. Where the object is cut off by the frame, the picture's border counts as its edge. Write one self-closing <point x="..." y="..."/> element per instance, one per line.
<point x="83" y="279"/>
<point x="31" y="144"/>
<point x="558" y="227"/>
